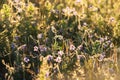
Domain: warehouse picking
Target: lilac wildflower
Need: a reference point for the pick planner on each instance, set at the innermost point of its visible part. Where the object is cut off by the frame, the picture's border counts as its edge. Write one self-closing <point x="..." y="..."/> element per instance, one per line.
<point x="78" y="1"/>
<point x="42" y="48"/>
<point x="47" y="74"/>
<point x="58" y="59"/>
<point x="35" y="48"/>
<point x="16" y="37"/>
<point x="26" y="59"/>
<point x="80" y="57"/>
<point x="13" y="46"/>
<point x="102" y="56"/>
<point x="17" y="1"/>
<point x="80" y="47"/>
<point x="108" y="42"/>
<point x="84" y="24"/>
<point x="60" y="53"/>
<point x="50" y="58"/>
<point x="72" y="47"/>
<point x="102" y="40"/>
<point x="55" y="70"/>
<point x="39" y="36"/>
<point x="105" y="45"/>
<point x="112" y="19"/>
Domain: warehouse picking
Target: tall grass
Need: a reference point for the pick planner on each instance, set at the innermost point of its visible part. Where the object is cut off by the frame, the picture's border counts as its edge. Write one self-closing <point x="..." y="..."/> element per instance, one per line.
<point x="59" y="39"/>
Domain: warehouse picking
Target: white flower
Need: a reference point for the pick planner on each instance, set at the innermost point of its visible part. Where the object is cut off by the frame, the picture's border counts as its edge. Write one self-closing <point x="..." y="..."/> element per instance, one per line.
<point x="17" y="1"/>
<point x="69" y="11"/>
<point x="39" y="36"/>
<point x="42" y="48"/>
<point x="58" y="59"/>
<point x="26" y="60"/>
<point x="72" y="47"/>
<point x="78" y="1"/>
<point x="35" y="48"/>
<point x="60" y="53"/>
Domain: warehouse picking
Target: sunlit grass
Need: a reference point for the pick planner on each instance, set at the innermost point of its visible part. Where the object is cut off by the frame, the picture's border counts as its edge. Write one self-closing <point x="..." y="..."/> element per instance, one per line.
<point x="60" y="39"/>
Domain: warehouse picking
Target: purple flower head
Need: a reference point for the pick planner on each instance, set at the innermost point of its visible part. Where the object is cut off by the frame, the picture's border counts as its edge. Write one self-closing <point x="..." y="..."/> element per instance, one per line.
<point x="108" y="42"/>
<point x="17" y="1"/>
<point x="80" y="47"/>
<point x="112" y="19"/>
<point x="72" y="47"/>
<point x="55" y="70"/>
<point x="16" y="37"/>
<point x="84" y="24"/>
<point x="42" y="48"/>
<point x="58" y="59"/>
<point x="13" y="46"/>
<point x="50" y="58"/>
<point x="60" y="53"/>
<point x="78" y="1"/>
<point x="47" y="74"/>
<point x="105" y="45"/>
<point x="102" y="56"/>
<point x="26" y="59"/>
<point x="80" y="57"/>
<point x="35" y="48"/>
<point x="39" y="36"/>
<point x="102" y="40"/>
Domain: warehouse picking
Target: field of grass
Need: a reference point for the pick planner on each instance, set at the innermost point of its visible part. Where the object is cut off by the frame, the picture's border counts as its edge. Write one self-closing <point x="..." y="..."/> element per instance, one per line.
<point x="59" y="40"/>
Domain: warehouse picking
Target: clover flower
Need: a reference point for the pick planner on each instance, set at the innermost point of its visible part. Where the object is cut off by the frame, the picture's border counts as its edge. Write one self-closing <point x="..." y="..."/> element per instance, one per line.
<point x="39" y="36"/>
<point x="42" y="48"/>
<point x="80" y="47"/>
<point x="108" y="42"/>
<point x="58" y="59"/>
<point x="78" y="1"/>
<point x="69" y="11"/>
<point x="80" y="57"/>
<point x="101" y="40"/>
<point x="13" y="46"/>
<point x="35" y="48"/>
<point x="60" y="53"/>
<point x="26" y="59"/>
<point x="16" y="1"/>
<point x="112" y="19"/>
<point x="47" y="74"/>
<point x="16" y="37"/>
<point x="72" y="47"/>
<point x="102" y="56"/>
<point x="85" y="24"/>
<point x="50" y="58"/>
